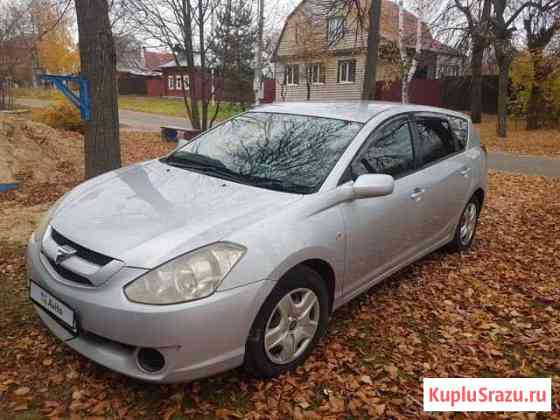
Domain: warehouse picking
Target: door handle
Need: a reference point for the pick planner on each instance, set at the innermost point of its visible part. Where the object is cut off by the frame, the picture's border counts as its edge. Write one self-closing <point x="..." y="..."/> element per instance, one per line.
<point x="417" y="194"/>
<point x="465" y="172"/>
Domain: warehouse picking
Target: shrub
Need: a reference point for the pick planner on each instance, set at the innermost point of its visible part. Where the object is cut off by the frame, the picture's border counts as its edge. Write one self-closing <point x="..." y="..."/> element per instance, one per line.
<point x="523" y="81"/>
<point x="62" y="115"/>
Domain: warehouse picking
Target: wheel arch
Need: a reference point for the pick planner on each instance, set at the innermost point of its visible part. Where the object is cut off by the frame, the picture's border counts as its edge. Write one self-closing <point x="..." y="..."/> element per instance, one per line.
<point x="326" y="272"/>
<point x="480" y="195"/>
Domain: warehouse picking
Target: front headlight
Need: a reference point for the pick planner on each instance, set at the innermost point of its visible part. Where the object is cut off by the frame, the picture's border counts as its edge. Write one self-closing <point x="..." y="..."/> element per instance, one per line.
<point x="192" y="276"/>
<point x="46" y="219"/>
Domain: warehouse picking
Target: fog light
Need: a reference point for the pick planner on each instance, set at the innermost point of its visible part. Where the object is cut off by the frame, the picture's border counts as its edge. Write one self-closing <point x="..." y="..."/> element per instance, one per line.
<point x="150" y="360"/>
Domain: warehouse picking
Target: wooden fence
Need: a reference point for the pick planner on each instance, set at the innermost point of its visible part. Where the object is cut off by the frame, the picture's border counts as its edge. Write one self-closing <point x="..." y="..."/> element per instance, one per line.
<point x="6" y="95"/>
<point x="451" y="93"/>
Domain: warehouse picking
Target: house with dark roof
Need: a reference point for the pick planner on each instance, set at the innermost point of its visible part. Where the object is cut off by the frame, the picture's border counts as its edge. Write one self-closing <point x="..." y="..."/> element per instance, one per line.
<point x="321" y="52"/>
<point x="138" y="71"/>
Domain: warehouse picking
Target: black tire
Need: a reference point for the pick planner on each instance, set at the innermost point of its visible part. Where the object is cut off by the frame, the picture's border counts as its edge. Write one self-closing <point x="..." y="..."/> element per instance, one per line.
<point x="257" y="363"/>
<point x="458" y="244"/>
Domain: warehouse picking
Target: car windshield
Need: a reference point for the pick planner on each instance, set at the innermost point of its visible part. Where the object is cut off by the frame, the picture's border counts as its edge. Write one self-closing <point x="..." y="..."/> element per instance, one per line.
<point x="291" y="153"/>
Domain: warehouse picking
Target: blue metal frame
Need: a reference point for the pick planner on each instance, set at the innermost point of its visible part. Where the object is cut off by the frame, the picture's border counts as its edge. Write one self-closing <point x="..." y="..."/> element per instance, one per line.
<point x="82" y="102"/>
<point x="7" y="187"/>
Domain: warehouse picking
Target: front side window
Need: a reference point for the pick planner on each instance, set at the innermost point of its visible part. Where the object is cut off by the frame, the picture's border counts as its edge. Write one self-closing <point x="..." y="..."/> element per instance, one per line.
<point x="346" y="71"/>
<point x="170" y="82"/>
<point x="389" y="152"/>
<point x="292" y="153"/>
<point x="335" y="29"/>
<point x="291" y="75"/>
<point x="436" y="138"/>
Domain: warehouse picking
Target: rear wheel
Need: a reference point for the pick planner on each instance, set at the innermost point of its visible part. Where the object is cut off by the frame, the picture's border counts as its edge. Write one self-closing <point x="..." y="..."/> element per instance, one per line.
<point x="289" y="324"/>
<point x="466" y="229"/>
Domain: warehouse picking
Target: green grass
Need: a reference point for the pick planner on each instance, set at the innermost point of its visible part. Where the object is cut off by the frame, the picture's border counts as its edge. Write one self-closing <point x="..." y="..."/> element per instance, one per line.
<point x="154" y="105"/>
<point x="32" y="93"/>
<point x="172" y="106"/>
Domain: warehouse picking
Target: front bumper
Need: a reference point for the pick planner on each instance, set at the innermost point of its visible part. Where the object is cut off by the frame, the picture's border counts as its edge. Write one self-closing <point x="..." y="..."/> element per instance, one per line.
<point x="197" y="339"/>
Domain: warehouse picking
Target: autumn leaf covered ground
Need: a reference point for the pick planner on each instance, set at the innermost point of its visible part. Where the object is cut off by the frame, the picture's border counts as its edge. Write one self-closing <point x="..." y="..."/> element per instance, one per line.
<point x="491" y="312"/>
<point x="542" y="142"/>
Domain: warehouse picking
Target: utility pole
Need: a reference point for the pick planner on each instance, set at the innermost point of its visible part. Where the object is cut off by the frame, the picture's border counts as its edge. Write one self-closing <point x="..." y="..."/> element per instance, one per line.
<point x="258" y="57"/>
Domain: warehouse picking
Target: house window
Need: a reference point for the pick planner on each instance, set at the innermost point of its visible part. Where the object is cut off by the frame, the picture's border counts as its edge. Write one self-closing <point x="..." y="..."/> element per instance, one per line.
<point x="291" y="75"/>
<point x="170" y="82"/>
<point x="179" y="82"/>
<point x="335" y="29"/>
<point x="449" y="70"/>
<point x="316" y="73"/>
<point x="186" y="82"/>
<point x="346" y="71"/>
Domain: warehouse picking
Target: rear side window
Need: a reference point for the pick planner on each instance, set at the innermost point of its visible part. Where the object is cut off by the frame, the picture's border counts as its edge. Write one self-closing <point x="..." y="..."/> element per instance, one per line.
<point x="436" y="138"/>
<point x="460" y="128"/>
<point x="390" y="151"/>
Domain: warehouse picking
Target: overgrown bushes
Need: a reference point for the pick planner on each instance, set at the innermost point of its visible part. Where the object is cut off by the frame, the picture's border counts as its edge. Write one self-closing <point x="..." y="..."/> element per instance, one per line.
<point x="525" y="85"/>
<point x="61" y="115"/>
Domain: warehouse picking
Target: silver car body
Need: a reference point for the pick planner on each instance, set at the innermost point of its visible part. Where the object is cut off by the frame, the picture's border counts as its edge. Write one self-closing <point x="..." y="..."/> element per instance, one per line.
<point x="144" y="215"/>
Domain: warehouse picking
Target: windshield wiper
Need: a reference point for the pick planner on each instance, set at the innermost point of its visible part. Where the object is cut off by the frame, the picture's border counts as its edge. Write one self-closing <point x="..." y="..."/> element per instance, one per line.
<point x="281" y="185"/>
<point x="207" y="166"/>
<point x="185" y="159"/>
<point x="215" y="167"/>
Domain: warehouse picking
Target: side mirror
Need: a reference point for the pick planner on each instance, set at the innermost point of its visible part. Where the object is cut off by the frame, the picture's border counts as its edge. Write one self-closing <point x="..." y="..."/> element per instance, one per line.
<point x="182" y="143"/>
<point x="373" y="185"/>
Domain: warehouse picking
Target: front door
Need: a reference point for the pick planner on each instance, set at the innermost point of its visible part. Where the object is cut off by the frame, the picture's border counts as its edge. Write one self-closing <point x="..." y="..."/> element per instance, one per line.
<point x="381" y="229"/>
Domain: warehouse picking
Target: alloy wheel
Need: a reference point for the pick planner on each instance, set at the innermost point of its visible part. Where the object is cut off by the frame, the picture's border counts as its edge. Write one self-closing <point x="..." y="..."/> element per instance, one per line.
<point x="468" y="224"/>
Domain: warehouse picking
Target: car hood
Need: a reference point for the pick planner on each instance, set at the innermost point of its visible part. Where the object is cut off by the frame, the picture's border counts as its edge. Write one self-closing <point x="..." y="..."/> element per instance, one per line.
<point x="149" y="213"/>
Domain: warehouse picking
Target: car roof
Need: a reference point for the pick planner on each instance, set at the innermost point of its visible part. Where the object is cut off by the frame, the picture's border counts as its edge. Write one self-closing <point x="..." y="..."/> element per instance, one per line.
<point x="358" y="111"/>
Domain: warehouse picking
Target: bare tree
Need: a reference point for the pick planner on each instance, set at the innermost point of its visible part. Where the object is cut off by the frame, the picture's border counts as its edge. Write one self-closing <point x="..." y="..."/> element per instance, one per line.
<point x="26" y="23"/>
<point x="98" y="65"/>
<point x="373" y="40"/>
<point x="503" y="20"/>
<point x="541" y="21"/>
<point x="181" y="25"/>
<point x="475" y="33"/>
<point x="309" y="46"/>
<point x="409" y="61"/>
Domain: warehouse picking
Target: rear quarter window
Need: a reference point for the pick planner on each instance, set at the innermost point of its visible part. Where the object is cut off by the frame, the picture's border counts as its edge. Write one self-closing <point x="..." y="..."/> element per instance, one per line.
<point x="460" y="127"/>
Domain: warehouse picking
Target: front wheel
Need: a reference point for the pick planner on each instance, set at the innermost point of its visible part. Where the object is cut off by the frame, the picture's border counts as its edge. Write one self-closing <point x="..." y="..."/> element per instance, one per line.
<point x="289" y="324"/>
<point x="466" y="229"/>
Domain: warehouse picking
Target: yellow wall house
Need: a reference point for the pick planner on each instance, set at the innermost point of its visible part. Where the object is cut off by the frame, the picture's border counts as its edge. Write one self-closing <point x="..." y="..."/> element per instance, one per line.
<point x="321" y="52"/>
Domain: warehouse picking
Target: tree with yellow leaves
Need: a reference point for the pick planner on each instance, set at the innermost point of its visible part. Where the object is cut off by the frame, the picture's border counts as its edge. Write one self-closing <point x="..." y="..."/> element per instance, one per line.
<point x="57" y="51"/>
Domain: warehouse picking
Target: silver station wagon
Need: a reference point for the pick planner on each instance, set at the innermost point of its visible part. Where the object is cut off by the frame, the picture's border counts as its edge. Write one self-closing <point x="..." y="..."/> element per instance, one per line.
<point x="236" y="248"/>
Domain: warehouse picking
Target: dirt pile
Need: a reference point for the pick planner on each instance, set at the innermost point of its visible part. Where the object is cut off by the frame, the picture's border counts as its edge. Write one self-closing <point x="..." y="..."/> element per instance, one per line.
<point x="36" y="153"/>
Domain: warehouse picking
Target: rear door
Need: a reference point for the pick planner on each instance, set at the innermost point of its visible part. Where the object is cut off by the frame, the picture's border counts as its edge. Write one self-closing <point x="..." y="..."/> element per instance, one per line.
<point x="445" y="174"/>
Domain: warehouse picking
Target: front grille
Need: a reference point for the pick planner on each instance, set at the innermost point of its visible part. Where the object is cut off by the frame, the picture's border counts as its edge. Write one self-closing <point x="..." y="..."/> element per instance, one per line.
<point x="69" y="275"/>
<point x="84" y="253"/>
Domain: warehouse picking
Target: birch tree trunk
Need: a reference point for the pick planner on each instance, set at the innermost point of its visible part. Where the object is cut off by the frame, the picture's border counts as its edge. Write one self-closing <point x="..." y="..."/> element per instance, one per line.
<point x="409" y="65"/>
